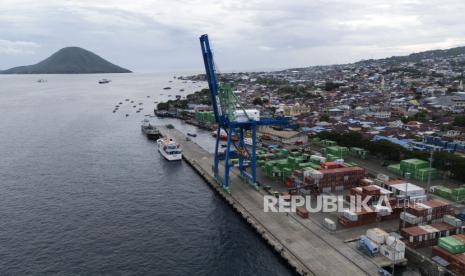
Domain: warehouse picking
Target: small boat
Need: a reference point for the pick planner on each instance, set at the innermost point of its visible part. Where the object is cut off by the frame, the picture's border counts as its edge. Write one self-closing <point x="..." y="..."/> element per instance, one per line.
<point x="127" y="115"/>
<point x="148" y="96"/>
<point x="178" y="97"/>
<point x="171" y="150"/>
<point x="41" y="80"/>
<point x="167" y="88"/>
<point x="140" y="103"/>
<point x="181" y="90"/>
<point x="138" y="111"/>
<point x="134" y="106"/>
<point x="169" y="95"/>
<point x="103" y="81"/>
<point x="150" y="131"/>
<point x="120" y="103"/>
<point x="127" y="100"/>
<point x="132" y="101"/>
<point x="192" y="134"/>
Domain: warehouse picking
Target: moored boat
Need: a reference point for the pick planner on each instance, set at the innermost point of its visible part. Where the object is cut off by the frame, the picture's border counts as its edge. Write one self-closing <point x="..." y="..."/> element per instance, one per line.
<point x="149" y="130"/>
<point x="171" y="150"/>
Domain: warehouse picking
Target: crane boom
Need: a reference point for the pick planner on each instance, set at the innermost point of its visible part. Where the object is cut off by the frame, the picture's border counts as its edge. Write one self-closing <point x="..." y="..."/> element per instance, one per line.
<point x="212" y="80"/>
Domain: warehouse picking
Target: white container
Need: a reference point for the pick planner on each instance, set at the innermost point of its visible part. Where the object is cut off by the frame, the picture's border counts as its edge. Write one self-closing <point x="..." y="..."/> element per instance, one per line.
<point x="412" y="219"/>
<point x="378" y="235"/>
<point x="339" y="161"/>
<point x="349" y="215"/>
<point x="252" y="114"/>
<point x="395" y="244"/>
<point x="383" y="210"/>
<point x="453" y="221"/>
<point x="315" y="174"/>
<point x="392" y="254"/>
<point x="317" y="157"/>
<point x="331" y="225"/>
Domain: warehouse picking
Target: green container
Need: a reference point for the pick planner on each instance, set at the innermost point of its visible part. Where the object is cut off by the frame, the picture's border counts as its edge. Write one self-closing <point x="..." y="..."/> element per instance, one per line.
<point x="413" y="165"/>
<point x="443" y="191"/>
<point x="305" y="165"/>
<point x="458" y="192"/>
<point x="452" y="245"/>
<point x="331" y="157"/>
<point x="424" y="174"/>
<point x="337" y="151"/>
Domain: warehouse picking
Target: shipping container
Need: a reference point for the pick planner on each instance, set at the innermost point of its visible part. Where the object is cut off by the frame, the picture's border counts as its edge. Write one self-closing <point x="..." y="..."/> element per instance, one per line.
<point x="302" y="212"/>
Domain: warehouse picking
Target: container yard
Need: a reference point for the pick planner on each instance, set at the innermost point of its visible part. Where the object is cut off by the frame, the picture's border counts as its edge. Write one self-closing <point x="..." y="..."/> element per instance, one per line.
<point x="293" y="236"/>
<point x="293" y="172"/>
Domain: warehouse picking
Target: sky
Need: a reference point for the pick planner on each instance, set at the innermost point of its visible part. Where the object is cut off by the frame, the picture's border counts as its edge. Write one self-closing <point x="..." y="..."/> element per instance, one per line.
<point x="162" y="35"/>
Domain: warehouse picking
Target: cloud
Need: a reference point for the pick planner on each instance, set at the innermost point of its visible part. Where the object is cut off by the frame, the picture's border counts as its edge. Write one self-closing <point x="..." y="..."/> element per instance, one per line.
<point x="157" y="35"/>
<point x="8" y="47"/>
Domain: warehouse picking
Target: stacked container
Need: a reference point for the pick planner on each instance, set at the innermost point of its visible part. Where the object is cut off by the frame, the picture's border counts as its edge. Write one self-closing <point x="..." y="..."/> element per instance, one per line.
<point x="395" y="168"/>
<point x="427" y="235"/>
<point x="457" y="194"/>
<point x="337" y="151"/>
<point x="452" y="249"/>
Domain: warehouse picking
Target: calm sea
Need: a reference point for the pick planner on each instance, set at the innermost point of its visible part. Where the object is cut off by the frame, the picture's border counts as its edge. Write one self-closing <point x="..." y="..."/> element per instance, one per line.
<point x="83" y="192"/>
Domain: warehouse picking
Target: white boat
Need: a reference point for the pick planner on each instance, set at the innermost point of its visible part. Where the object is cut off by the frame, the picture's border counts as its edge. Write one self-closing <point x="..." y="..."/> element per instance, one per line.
<point x="169" y="149"/>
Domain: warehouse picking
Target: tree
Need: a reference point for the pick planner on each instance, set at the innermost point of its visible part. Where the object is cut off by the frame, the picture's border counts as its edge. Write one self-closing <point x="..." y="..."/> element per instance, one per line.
<point x="257" y="101"/>
<point x="459" y="121"/>
<point x="324" y="118"/>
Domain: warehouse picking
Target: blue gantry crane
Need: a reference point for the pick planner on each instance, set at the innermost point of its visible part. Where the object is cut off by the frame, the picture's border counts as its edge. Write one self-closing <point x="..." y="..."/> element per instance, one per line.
<point x="235" y="121"/>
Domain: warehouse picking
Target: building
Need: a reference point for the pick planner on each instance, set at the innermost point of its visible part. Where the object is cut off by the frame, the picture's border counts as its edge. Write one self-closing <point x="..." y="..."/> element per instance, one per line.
<point x="288" y="137"/>
<point x="294" y="110"/>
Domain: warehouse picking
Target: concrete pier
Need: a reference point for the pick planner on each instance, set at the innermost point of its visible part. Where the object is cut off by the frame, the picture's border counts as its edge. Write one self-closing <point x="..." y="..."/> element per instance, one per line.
<point x="305" y="245"/>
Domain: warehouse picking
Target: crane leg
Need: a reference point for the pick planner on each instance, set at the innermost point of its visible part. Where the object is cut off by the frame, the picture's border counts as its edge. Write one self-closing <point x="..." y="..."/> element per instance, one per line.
<point x="242" y="146"/>
<point x="226" y="161"/>
<point x="253" y="157"/>
<point x="217" y="145"/>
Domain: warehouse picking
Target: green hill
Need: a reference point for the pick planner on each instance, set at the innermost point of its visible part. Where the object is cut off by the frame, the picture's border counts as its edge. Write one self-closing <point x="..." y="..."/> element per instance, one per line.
<point x="69" y="60"/>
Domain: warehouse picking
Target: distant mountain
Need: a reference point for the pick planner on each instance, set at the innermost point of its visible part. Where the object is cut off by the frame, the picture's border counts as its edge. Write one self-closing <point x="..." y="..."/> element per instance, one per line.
<point x="69" y="60"/>
<point x="416" y="57"/>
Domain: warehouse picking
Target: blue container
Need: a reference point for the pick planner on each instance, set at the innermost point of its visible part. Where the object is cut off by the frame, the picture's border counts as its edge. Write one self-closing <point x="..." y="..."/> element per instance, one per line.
<point x="460" y="148"/>
<point x="451" y="146"/>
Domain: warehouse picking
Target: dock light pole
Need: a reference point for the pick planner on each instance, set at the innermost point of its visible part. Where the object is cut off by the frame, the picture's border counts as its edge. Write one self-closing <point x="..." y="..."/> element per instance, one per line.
<point x="429" y="172"/>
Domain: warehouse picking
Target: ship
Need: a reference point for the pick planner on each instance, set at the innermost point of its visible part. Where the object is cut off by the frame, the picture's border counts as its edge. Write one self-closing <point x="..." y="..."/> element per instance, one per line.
<point x="103" y="81"/>
<point x="171" y="150"/>
<point x="149" y="130"/>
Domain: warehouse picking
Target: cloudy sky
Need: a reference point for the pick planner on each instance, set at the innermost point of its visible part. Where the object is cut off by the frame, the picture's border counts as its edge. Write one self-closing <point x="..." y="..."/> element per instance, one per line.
<point x="162" y="35"/>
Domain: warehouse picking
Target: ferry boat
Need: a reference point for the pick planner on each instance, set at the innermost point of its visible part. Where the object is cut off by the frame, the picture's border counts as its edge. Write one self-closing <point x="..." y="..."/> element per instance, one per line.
<point x="169" y="149"/>
<point x="150" y="131"/>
